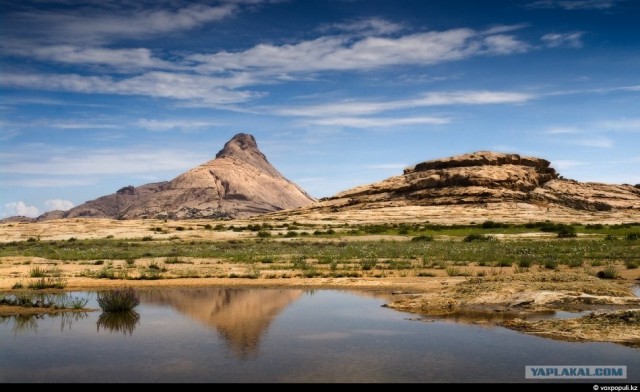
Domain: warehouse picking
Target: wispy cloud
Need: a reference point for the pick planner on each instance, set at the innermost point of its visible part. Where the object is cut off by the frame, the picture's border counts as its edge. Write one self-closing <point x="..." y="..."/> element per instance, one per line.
<point x="592" y="141"/>
<point x="173" y="124"/>
<point x="570" y="40"/>
<point x="387" y="166"/>
<point x="561" y="131"/>
<point x="127" y="60"/>
<point x="130" y="161"/>
<point x="100" y="23"/>
<point x="81" y="125"/>
<point x="574" y="4"/>
<point x="564" y="164"/>
<point x="49" y="182"/>
<point x="378" y="122"/>
<point x="195" y="88"/>
<point x="358" y="108"/>
<point x="364" y="26"/>
<point x="632" y="124"/>
<point x="337" y="52"/>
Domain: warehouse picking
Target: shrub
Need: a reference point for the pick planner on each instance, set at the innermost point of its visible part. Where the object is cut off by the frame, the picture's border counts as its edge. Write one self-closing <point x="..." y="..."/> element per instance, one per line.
<point x="264" y="234"/>
<point x="524" y="263"/>
<point x="422" y="238"/>
<point x="478" y="237"/>
<point x="118" y="300"/>
<point x="631" y="264"/>
<point x="565" y="231"/>
<point x="610" y="272"/>
<point x="632" y="236"/>
<point x="368" y="264"/>
<point x="455" y="271"/>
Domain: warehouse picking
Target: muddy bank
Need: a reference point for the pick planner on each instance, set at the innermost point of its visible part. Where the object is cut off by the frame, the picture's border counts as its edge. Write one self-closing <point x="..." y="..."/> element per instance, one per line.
<point x="621" y="326"/>
<point x="617" y="321"/>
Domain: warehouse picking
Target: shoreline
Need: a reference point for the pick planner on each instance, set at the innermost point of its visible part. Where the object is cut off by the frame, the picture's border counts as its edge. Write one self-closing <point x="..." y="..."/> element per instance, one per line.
<point x="503" y="301"/>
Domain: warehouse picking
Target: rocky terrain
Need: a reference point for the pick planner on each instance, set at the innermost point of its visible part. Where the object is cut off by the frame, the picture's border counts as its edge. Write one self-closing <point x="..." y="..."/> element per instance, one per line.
<point x="239" y="182"/>
<point x="481" y="185"/>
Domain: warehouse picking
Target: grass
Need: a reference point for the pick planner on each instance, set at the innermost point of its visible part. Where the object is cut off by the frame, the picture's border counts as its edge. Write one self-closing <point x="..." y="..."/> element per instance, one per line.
<point x="118" y="300"/>
<point x="37" y="272"/>
<point x="333" y="255"/>
<point x="47" y="283"/>
<point x="50" y="301"/>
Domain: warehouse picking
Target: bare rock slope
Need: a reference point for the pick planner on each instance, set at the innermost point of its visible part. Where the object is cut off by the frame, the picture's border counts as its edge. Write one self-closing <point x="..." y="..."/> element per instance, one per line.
<point x="239" y="182"/>
<point x="483" y="185"/>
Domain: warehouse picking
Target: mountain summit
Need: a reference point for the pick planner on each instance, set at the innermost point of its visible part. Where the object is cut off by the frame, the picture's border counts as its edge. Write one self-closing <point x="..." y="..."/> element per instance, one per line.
<point x="239" y="182"/>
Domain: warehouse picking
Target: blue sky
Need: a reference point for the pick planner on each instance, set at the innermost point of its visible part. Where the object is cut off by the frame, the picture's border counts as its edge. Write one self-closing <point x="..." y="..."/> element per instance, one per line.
<point x="97" y="95"/>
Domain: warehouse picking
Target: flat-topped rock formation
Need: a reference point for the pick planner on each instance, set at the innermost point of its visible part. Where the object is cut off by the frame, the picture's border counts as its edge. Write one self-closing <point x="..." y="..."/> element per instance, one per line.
<point x="482" y="181"/>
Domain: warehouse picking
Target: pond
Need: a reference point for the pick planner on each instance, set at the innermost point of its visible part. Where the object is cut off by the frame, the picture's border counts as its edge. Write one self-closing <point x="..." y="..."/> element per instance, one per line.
<point x="272" y="335"/>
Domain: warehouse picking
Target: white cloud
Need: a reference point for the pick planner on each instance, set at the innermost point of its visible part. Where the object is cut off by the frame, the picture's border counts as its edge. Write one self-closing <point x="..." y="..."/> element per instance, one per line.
<point x="574" y="4"/>
<point x="81" y="125"/>
<point x="103" y="24"/>
<point x="196" y="88"/>
<point x="593" y="141"/>
<point x="49" y="182"/>
<point x="561" y="131"/>
<point x="20" y="208"/>
<point x="129" y="161"/>
<point x="333" y="53"/>
<point x="353" y="108"/>
<point x="372" y="122"/>
<point x="131" y="59"/>
<point x="571" y="40"/>
<point x="58" y="204"/>
<point x="387" y="166"/>
<point x="632" y="124"/>
<point x="167" y="125"/>
<point x="563" y="164"/>
<point x="369" y="26"/>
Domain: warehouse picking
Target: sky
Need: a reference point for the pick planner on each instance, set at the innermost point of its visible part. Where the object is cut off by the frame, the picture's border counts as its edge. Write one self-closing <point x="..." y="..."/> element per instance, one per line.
<point x="98" y="95"/>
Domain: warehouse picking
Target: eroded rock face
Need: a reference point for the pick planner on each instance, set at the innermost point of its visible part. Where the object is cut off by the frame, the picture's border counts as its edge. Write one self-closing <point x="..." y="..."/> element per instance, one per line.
<point x="482" y="178"/>
<point x="239" y="182"/>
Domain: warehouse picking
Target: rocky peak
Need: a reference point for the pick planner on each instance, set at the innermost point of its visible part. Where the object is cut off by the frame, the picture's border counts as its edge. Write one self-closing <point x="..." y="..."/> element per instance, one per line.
<point x="239" y="182"/>
<point x="241" y="145"/>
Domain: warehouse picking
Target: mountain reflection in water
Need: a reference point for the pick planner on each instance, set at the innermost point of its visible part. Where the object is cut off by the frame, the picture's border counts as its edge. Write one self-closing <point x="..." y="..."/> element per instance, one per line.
<point x="240" y="316"/>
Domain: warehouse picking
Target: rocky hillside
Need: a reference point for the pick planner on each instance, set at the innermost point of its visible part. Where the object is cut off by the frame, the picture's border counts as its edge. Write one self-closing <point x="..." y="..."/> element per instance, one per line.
<point x="482" y="185"/>
<point x="239" y="182"/>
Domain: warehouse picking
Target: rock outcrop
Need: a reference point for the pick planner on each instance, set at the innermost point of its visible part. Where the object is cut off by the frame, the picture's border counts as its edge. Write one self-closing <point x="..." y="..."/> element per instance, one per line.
<point x="238" y="183"/>
<point x="482" y="179"/>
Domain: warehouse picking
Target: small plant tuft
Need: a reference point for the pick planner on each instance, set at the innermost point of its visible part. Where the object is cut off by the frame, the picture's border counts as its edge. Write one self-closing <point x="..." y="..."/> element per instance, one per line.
<point x="609" y="272"/>
<point x="118" y="300"/>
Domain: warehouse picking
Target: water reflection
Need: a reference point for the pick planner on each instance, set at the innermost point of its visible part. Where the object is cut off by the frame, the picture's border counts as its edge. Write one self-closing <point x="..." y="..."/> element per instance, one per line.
<point x="240" y="316"/>
<point x="125" y="322"/>
<point x="28" y="323"/>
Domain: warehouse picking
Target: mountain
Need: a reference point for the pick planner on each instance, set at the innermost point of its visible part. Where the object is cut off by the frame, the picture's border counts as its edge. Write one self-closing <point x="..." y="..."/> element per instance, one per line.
<point x="479" y="186"/>
<point x="238" y="183"/>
